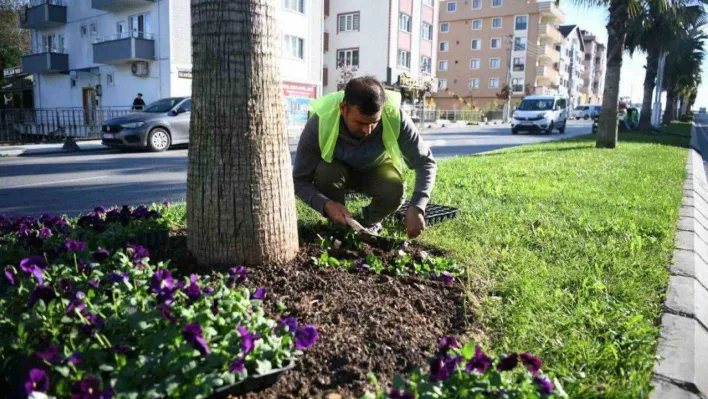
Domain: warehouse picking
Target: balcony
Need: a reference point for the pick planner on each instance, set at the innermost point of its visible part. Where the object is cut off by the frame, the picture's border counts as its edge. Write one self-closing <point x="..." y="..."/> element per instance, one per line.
<point x="117" y="5"/>
<point x="549" y="34"/>
<point x="45" y="60"/>
<point x="547" y="55"/>
<point x="550" y="12"/>
<point x="123" y="48"/>
<point x="546" y="75"/>
<point x="43" y="14"/>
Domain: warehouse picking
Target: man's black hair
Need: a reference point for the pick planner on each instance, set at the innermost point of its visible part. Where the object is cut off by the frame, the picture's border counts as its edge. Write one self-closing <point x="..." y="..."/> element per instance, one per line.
<point x="367" y="93"/>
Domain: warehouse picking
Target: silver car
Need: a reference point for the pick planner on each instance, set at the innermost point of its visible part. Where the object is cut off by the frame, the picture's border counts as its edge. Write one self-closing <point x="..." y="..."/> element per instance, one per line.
<point x="160" y="125"/>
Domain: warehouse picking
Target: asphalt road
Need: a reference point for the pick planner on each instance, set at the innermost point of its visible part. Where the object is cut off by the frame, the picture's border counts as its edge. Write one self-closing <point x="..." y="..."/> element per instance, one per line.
<point x="72" y="184"/>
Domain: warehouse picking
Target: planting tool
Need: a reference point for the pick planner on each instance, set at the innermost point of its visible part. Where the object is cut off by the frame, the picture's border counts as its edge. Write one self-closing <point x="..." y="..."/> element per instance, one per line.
<point x="371" y="238"/>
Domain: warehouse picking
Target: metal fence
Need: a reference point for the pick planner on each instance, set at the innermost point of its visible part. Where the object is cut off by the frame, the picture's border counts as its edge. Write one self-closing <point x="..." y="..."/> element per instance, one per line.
<point x="36" y="125"/>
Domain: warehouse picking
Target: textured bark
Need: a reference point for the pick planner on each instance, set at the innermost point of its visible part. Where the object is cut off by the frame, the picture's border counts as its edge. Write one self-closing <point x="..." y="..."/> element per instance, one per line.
<point x="684" y="106"/>
<point x="670" y="109"/>
<point x="649" y="85"/>
<point x="240" y="196"/>
<point x="617" y="33"/>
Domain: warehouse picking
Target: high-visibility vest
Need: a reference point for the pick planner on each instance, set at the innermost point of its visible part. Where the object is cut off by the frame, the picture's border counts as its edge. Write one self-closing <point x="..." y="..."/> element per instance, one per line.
<point x="327" y="110"/>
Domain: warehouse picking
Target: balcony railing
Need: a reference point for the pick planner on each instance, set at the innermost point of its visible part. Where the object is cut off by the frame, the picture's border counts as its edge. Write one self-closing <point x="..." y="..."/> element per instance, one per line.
<point x="125" y="35"/>
<point x="45" y="59"/>
<point x="549" y="33"/>
<point x="519" y="67"/>
<point x="42" y="14"/>
<point x="113" y="5"/>
<point x="124" y="47"/>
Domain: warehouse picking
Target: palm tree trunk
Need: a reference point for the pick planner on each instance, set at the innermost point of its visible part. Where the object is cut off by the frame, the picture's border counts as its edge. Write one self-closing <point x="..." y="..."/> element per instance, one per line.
<point x="649" y="85"/>
<point x="240" y="196"/>
<point x="670" y="109"/>
<point x="616" y="32"/>
<point x="684" y="106"/>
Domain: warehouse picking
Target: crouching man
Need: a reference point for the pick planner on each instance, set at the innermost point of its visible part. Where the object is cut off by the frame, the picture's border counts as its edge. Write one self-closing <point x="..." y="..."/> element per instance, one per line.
<point x="358" y="140"/>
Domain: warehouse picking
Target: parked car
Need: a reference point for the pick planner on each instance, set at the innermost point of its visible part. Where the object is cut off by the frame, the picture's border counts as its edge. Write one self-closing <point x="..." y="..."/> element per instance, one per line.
<point x="585" y="111"/>
<point x="157" y="127"/>
<point x="540" y="114"/>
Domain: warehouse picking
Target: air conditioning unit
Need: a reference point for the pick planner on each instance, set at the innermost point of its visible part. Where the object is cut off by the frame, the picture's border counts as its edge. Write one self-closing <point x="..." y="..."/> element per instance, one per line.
<point x="139" y="68"/>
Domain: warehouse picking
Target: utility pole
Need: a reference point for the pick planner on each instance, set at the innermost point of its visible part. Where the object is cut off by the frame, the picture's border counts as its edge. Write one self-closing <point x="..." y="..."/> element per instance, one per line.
<point x="507" y="104"/>
<point x="656" y="109"/>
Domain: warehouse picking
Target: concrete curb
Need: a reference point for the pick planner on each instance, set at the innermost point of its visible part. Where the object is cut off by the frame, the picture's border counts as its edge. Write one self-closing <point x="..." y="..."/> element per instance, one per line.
<point x="682" y="369"/>
<point x="54" y="148"/>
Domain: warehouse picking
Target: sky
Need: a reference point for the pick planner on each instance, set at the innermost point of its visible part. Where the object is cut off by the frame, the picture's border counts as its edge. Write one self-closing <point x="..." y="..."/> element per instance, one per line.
<point x="594" y="19"/>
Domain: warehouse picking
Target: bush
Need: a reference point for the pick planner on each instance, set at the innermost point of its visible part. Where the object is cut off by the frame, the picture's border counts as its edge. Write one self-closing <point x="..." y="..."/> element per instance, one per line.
<point x="687" y="117"/>
<point x="467" y="372"/>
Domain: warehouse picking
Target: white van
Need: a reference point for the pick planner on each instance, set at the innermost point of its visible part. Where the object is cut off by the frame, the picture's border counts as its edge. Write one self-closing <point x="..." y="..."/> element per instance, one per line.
<point x="586" y="111"/>
<point x="540" y="114"/>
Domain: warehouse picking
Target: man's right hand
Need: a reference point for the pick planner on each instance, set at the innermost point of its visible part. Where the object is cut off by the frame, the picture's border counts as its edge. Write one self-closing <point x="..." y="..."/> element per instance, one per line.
<point x="337" y="212"/>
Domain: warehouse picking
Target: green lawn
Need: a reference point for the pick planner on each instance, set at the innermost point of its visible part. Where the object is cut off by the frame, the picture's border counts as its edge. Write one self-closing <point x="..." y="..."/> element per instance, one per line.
<point x="568" y="246"/>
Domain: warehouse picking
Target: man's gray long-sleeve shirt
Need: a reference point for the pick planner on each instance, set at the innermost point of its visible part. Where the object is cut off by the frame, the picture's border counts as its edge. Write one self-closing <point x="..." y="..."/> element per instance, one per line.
<point x="360" y="154"/>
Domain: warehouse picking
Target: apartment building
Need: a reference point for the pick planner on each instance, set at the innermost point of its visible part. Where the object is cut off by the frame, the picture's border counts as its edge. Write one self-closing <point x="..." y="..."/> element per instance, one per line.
<point x="594" y="76"/>
<point x="101" y="53"/>
<point x="572" y="64"/>
<point x="485" y="45"/>
<point x="393" y="40"/>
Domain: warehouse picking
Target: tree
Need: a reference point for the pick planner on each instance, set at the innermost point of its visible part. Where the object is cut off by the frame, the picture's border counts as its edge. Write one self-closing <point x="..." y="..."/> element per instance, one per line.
<point x="240" y="195"/>
<point x="683" y="69"/>
<point x="13" y="40"/>
<point x="346" y="73"/>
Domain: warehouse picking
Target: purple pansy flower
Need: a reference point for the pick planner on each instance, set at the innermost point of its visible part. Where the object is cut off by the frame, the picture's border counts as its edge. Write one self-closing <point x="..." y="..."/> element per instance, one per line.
<point x="94" y="283"/>
<point x="305" y="337"/>
<point x="215" y="307"/>
<point x="100" y="210"/>
<point x="192" y="333"/>
<point x="237" y="365"/>
<point x="45" y="233"/>
<point x="38" y="381"/>
<point x="208" y="290"/>
<point x="74" y="246"/>
<point x="442" y="367"/>
<point x="100" y="255"/>
<point x="10" y="275"/>
<point x="237" y="275"/>
<point x="480" y="362"/>
<point x="88" y="388"/>
<point x="117" y="278"/>
<point x="166" y="313"/>
<point x="247" y="339"/>
<point x="545" y="386"/>
<point x="193" y="291"/>
<point x="532" y="363"/>
<point x="79" y="295"/>
<point x="74" y="306"/>
<point x="27" y="264"/>
<point x="259" y="294"/>
<point x="50" y="354"/>
<point x="43" y="292"/>
<point x="163" y="285"/>
<point x="446" y="343"/>
<point x="508" y="363"/>
<point x="288" y="324"/>
<point x="84" y="268"/>
<point x="75" y="358"/>
<point x="396" y="394"/>
<point x="445" y="277"/>
<point x="95" y="323"/>
<point x="166" y="204"/>
<point x="66" y="287"/>
<point x="138" y="253"/>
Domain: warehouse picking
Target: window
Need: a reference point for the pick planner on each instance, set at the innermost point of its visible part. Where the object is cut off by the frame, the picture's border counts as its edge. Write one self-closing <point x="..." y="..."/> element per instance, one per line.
<point x="348" y="57"/>
<point x="140" y="24"/>
<point x="426" y="31"/>
<point x="93" y="29"/>
<point x="293" y="47"/>
<point x="109" y="79"/>
<point x="294" y="5"/>
<point x="444" y="47"/>
<point x="83" y="30"/>
<point x="442" y="83"/>
<point x="495" y="43"/>
<point x="61" y="44"/>
<point x="496" y="3"/>
<point x="426" y="64"/>
<point x="477" y="24"/>
<point x="474" y="83"/>
<point x="476" y="4"/>
<point x="519" y="64"/>
<point x="445" y="27"/>
<point x="476" y="44"/>
<point x="493" y="83"/>
<point x="517" y="85"/>
<point x="474" y="63"/>
<point x="521" y="22"/>
<point x="519" y="44"/>
<point x="404" y="59"/>
<point x="494" y="63"/>
<point x="120" y="28"/>
<point x="496" y="23"/>
<point x="451" y="6"/>
<point x="428" y="2"/>
<point x="348" y="22"/>
<point x="404" y="23"/>
<point x="442" y="65"/>
<point x="187" y="106"/>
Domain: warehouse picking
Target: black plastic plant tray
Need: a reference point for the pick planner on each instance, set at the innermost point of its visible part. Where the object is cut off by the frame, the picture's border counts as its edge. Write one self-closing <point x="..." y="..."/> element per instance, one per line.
<point x="433" y="213"/>
<point x="251" y="384"/>
<point x="150" y="240"/>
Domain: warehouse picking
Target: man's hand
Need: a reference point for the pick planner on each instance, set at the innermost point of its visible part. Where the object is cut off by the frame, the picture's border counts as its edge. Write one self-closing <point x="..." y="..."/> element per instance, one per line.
<point x="415" y="221"/>
<point x="337" y="212"/>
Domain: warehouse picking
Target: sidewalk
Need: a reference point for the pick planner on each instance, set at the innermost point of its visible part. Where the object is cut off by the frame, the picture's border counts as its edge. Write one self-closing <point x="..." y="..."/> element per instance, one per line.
<point x="48" y="149"/>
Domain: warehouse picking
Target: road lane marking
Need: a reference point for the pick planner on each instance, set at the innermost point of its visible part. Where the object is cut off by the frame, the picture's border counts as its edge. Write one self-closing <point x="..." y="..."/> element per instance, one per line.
<point x="53" y="182"/>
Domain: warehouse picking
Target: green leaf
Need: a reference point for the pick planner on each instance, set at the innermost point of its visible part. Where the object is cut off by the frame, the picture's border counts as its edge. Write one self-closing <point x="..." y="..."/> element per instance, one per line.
<point x="263" y="366"/>
<point x="468" y="351"/>
<point x="106" y="367"/>
<point x="144" y="325"/>
<point x="63" y="370"/>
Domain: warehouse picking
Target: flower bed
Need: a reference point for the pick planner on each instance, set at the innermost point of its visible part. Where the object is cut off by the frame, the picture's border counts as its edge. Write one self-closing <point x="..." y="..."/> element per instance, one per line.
<point x="89" y="322"/>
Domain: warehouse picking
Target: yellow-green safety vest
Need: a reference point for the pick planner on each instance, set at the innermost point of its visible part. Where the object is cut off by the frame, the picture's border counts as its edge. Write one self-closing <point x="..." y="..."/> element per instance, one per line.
<point x="327" y="110"/>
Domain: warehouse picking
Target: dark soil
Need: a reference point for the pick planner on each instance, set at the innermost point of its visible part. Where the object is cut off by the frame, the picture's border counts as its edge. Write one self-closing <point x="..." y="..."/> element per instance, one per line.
<point x="366" y="322"/>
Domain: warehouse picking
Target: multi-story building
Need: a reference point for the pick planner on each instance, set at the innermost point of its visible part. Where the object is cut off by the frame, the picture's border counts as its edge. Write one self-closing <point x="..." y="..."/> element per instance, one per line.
<point x="101" y="53"/>
<point x="572" y="64"/>
<point x="392" y="40"/>
<point x="594" y="76"/>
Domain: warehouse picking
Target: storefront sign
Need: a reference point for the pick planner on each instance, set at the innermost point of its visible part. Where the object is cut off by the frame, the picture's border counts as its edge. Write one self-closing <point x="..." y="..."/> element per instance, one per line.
<point x="184" y="74"/>
<point x="299" y="90"/>
<point x="297" y="98"/>
<point x="417" y="83"/>
<point x="7" y="72"/>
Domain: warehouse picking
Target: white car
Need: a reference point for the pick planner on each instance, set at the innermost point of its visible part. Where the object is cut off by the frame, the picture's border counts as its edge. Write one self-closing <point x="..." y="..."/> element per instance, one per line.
<point x="540" y="114"/>
<point x="585" y="111"/>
